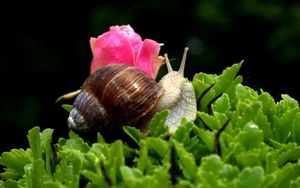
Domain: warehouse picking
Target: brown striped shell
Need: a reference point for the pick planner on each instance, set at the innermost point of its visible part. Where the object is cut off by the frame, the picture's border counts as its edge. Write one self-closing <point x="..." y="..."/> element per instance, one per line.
<point x="113" y="96"/>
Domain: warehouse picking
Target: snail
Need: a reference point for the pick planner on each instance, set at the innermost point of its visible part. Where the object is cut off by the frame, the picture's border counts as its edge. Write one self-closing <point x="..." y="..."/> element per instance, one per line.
<point x="120" y="94"/>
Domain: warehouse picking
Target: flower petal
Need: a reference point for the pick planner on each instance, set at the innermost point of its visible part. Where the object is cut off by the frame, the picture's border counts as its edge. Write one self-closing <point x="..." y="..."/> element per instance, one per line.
<point x="128" y="33"/>
<point x="110" y="47"/>
<point x="93" y="42"/>
<point x="148" y="59"/>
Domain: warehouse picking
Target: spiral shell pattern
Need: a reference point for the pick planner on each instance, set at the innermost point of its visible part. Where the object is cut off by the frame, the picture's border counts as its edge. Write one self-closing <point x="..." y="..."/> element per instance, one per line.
<point x="114" y="95"/>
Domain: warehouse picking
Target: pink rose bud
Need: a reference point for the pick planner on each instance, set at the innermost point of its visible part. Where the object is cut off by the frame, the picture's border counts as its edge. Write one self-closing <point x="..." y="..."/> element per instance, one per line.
<point x="122" y="45"/>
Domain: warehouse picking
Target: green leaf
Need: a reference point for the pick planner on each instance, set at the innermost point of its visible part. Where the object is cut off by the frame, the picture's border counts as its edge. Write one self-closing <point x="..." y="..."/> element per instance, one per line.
<point x="183" y="131"/>
<point x="288" y="152"/>
<point x="209" y="171"/>
<point x="295" y="183"/>
<point x="100" y="138"/>
<point x="9" y="184"/>
<point x="68" y="170"/>
<point x="264" y="124"/>
<point x="38" y="174"/>
<point x="74" y="143"/>
<point x="134" y="133"/>
<point x="222" y="104"/>
<point x="194" y="139"/>
<point x="67" y="107"/>
<point x="46" y="138"/>
<point x="35" y="143"/>
<point x="100" y="150"/>
<point x="286" y="175"/>
<point x="53" y="184"/>
<point x="231" y="90"/>
<point x="134" y="178"/>
<point x="251" y="136"/>
<point x="251" y="177"/>
<point x="96" y="179"/>
<point x="283" y="124"/>
<point x="201" y="83"/>
<point x="91" y="162"/>
<point x="30" y="162"/>
<point x="207" y="137"/>
<point x="14" y="161"/>
<point x="161" y="177"/>
<point x="245" y="94"/>
<point x="253" y="157"/>
<point x="157" y="146"/>
<point x="215" y="121"/>
<point x="229" y="173"/>
<point x="157" y="125"/>
<point x="186" y="161"/>
<point x="222" y="83"/>
<point x="295" y="129"/>
<point x="144" y="161"/>
<point x="271" y="163"/>
<point x="248" y="112"/>
<point x="115" y="160"/>
<point x="268" y="104"/>
<point x="283" y="118"/>
<point x="286" y="103"/>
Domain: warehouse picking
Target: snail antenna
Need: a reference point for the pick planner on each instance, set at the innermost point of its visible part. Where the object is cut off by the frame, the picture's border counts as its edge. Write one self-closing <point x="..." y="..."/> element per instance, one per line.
<point x="168" y="63"/>
<point x="182" y="64"/>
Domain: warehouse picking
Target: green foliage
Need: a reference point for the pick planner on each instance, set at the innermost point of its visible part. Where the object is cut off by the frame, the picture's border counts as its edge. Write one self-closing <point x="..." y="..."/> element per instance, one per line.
<point x="157" y="125"/>
<point x="67" y="107"/>
<point x="241" y="138"/>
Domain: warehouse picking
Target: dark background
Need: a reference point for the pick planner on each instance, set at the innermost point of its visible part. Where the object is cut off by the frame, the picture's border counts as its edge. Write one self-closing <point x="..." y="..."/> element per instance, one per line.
<point x="45" y="49"/>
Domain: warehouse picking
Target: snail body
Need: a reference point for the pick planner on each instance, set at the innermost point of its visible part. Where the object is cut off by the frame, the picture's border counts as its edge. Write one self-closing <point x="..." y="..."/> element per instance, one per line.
<point x="120" y="94"/>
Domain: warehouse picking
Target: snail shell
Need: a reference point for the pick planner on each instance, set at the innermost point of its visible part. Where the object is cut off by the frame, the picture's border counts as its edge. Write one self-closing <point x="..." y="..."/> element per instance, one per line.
<point x="120" y="94"/>
<point x="115" y="95"/>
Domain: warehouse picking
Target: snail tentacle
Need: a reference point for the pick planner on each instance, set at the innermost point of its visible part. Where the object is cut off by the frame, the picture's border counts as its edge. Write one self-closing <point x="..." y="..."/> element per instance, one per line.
<point x="169" y="67"/>
<point x="183" y="60"/>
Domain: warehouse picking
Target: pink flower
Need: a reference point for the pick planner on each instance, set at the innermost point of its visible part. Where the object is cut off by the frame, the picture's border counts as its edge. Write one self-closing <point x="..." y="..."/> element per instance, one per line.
<point x="122" y="45"/>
